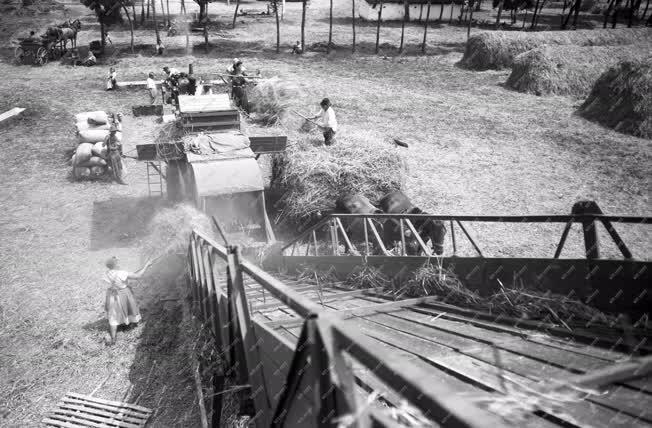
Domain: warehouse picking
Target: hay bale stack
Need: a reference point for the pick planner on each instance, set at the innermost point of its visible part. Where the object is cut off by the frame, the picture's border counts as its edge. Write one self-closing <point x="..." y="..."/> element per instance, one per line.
<point x="622" y="98"/>
<point x="567" y="70"/>
<point x="314" y="177"/>
<point x="270" y="100"/>
<point x="497" y="50"/>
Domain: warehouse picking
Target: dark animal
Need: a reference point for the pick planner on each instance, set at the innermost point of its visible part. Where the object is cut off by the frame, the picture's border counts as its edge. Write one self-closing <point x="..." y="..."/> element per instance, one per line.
<point x="359" y="204"/>
<point x="69" y="32"/>
<point x="429" y="230"/>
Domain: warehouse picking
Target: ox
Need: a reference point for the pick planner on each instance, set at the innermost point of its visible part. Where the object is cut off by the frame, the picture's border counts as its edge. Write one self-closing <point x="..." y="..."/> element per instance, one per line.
<point x="429" y="230"/>
<point x="359" y="204"/>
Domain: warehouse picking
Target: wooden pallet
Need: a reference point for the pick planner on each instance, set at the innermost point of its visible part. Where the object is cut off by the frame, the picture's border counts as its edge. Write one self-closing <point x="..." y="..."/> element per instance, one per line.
<point x="77" y="410"/>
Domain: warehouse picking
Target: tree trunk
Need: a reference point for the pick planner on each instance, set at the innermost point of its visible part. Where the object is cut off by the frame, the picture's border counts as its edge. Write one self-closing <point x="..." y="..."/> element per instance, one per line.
<point x="203" y="10"/>
<point x="468" y="30"/>
<point x="278" y="28"/>
<point x="380" y="17"/>
<point x="330" y="28"/>
<point x="102" y="36"/>
<point x="563" y="13"/>
<point x="577" y="12"/>
<point x="133" y="11"/>
<point x="406" y="13"/>
<point x="142" y="12"/>
<point x="131" y="25"/>
<point x="647" y="5"/>
<point x="534" y="15"/>
<point x="441" y="11"/>
<point x="182" y="10"/>
<point x="167" y="8"/>
<point x="630" y="16"/>
<point x="500" y="12"/>
<point x="425" y="28"/>
<point x="158" y="36"/>
<point x="235" y="14"/>
<point x="353" y="23"/>
<point x="304" y="6"/>
<point x="450" y="19"/>
<point x="148" y="1"/>
<point x="524" y="20"/>
<point x="570" y="12"/>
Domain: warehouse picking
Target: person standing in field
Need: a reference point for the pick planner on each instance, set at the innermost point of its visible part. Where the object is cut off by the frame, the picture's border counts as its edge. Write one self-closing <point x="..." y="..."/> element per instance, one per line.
<point x="327" y="121"/>
<point x="112" y="80"/>
<point x="120" y="304"/>
<point x="151" y="88"/>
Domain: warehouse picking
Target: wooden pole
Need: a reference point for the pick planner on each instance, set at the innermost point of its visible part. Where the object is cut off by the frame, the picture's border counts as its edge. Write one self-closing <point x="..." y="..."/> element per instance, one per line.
<point x="278" y="28"/>
<point x="200" y="397"/>
<point x="235" y="14"/>
<point x="330" y="28"/>
<point x="353" y="23"/>
<point x="380" y="17"/>
<point x="304" y="5"/>
<point x="425" y="28"/>
<point x="167" y="5"/>
<point x="405" y="16"/>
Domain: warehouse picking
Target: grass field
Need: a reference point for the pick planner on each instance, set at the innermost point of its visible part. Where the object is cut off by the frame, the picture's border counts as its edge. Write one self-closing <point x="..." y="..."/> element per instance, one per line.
<point x="475" y="148"/>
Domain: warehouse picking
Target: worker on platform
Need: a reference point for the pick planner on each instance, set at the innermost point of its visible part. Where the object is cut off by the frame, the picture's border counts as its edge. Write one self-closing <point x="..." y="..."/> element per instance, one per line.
<point x="114" y="150"/>
<point x="327" y="121"/>
<point x="238" y="80"/>
<point x="120" y="304"/>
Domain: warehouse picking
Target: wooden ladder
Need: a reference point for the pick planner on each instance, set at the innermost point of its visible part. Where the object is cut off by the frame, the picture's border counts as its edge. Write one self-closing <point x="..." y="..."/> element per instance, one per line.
<point x="155" y="177"/>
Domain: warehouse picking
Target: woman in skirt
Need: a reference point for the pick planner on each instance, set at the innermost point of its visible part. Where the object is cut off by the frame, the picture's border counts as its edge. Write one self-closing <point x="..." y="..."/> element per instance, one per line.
<point x="121" y="307"/>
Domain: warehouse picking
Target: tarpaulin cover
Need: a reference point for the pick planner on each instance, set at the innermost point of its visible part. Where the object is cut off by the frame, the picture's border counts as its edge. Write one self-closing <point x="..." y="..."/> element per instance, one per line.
<point x="227" y="176"/>
<point x="213" y="146"/>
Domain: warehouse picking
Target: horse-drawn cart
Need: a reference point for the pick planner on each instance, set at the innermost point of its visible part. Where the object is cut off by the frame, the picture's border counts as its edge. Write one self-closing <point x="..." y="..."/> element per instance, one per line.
<point x="37" y="52"/>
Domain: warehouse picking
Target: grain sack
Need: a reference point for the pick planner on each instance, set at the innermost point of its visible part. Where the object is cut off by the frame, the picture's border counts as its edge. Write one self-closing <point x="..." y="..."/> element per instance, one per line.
<point x="81" y="172"/>
<point x="72" y="159"/>
<point x="97" y="171"/>
<point x="83" y="153"/>
<point x="97" y="122"/>
<point x="83" y="126"/>
<point x="93" y="135"/>
<point x="100" y="117"/>
<point x="99" y="149"/>
<point x="94" y="161"/>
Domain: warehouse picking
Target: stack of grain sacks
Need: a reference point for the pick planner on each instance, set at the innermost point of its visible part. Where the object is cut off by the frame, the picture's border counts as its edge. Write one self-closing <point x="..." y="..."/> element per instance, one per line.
<point x="89" y="160"/>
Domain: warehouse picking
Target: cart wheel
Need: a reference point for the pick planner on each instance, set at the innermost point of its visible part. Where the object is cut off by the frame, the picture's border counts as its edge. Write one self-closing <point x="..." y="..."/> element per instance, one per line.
<point x="19" y="55"/>
<point x="41" y="56"/>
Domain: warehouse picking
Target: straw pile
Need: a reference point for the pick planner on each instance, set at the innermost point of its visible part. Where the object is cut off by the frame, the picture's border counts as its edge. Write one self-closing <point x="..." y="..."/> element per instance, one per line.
<point x="622" y="99"/>
<point x="497" y="50"/>
<point x="567" y="70"/>
<point x="270" y="99"/>
<point x="314" y="177"/>
<point x="169" y="231"/>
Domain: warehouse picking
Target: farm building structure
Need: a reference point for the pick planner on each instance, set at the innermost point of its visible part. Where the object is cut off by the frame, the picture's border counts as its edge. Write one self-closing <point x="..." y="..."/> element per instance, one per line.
<point x="417" y="10"/>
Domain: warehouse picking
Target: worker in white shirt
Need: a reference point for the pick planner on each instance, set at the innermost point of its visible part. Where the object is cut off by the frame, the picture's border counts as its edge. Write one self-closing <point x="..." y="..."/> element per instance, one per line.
<point x="151" y="88"/>
<point x="327" y="121"/>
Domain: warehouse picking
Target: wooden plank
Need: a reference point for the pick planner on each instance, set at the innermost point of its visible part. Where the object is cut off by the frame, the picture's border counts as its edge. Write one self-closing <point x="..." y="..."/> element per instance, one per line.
<point x="88" y="420"/>
<point x="210" y="124"/>
<point x="130" y="412"/>
<point x="118" y="404"/>
<point x="61" y="424"/>
<point x="619" y="399"/>
<point x="582" y="414"/>
<point x="209" y="114"/>
<point x="121" y="415"/>
<point x="11" y="113"/>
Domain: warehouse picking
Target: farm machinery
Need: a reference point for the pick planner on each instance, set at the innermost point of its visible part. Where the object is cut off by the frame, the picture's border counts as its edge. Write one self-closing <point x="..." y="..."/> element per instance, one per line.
<point x="210" y="163"/>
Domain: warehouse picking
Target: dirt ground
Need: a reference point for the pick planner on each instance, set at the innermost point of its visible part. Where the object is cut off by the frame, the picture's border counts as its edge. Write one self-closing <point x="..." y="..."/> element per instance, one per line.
<point x="474" y="148"/>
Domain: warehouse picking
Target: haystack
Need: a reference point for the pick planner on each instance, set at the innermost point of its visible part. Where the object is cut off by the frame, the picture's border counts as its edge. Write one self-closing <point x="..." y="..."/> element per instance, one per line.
<point x="567" y="70"/>
<point x="270" y="100"/>
<point x="622" y="98"/>
<point x="497" y="50"/>
<point x="314" y="177"/>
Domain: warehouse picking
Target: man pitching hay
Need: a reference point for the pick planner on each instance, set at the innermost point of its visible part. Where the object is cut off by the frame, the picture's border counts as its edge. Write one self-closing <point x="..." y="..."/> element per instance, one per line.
<point x="327" y="121"/>
<point x="120" y="304"/>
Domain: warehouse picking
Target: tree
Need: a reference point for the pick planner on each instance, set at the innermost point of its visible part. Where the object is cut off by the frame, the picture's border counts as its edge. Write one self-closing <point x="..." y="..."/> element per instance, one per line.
<point x="330" y="28"/>
<point x="353" y="23"/>
<point x="303" y="24"/>
<point x="107" y="13"/>
<point x="203" y="9"/>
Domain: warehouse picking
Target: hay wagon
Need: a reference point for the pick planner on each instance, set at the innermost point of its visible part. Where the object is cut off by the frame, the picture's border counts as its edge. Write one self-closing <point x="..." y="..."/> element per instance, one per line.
<point x="38" y="52"/>
<point x="216" y="169"/>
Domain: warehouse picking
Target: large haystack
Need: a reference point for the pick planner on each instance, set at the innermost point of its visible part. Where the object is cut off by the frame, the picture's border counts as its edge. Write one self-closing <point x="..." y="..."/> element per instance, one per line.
<point x="567" y="70"/>
<point x="314" y="177"/>
<point x="497" y="49"/>
<point x="622" y="98"/>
